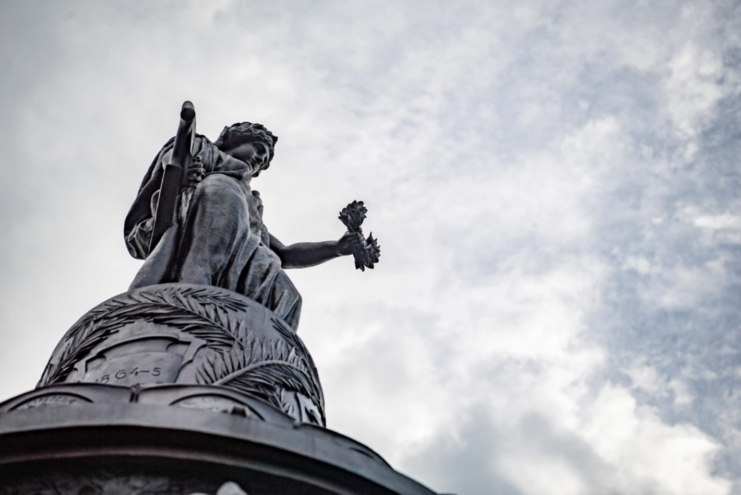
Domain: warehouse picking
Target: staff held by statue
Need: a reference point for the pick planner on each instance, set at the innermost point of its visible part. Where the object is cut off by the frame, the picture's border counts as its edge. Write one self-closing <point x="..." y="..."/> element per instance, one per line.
<point x="175" y="174"/>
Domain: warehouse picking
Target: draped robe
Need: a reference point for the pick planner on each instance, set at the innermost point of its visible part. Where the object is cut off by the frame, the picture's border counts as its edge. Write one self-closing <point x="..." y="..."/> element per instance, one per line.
<point x="218" y="239"/>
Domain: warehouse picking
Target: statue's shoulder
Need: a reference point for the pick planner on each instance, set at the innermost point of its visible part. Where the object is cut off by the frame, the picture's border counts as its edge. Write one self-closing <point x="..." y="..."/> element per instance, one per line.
<point x="200" y="143"/>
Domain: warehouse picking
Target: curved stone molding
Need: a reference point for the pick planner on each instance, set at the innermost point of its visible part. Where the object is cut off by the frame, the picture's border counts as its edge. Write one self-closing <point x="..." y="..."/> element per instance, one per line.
<point x="125" y="440"/>
<point x="190" y="334"/>
<point x="200" y="397"/>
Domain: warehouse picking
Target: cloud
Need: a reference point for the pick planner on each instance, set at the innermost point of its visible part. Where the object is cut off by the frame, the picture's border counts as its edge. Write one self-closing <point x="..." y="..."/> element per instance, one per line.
<point x="554" y="186"/>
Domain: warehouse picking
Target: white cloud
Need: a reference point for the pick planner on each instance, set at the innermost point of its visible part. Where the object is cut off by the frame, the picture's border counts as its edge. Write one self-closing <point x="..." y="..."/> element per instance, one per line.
<point x="717" y="222"/>
<point x="646" y="455"/>
<point x="693" y="86"/>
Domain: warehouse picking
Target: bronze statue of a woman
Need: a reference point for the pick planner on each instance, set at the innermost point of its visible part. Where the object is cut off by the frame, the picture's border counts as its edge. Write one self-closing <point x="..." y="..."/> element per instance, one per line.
<point x="218" y="237"/>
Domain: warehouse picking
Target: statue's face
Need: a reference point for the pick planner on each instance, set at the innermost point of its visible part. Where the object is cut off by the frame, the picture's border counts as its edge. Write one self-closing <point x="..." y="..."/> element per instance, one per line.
<point x="255" y="154"/>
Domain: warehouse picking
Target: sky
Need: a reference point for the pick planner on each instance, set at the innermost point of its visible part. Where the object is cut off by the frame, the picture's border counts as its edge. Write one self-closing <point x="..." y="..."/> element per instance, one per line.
<point x="554" y="185"/>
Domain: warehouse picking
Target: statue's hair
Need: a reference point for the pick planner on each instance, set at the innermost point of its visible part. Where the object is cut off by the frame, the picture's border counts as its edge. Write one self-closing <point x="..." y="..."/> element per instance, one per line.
<point x="247" y="132"/>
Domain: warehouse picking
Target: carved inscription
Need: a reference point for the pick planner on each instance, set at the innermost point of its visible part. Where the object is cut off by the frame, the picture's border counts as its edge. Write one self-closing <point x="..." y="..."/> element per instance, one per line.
<point x="203" y="312"/>
<point x="123" y="374"/>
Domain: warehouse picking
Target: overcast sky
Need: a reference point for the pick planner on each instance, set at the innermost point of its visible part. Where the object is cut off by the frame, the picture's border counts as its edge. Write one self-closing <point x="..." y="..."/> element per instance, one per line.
<point x="555" y="186"/>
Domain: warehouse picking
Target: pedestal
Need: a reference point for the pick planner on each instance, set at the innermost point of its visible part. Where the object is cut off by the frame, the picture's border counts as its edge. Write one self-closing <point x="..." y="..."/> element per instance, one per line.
<point x="101" y="439"/>
<point x="178" y="389"/>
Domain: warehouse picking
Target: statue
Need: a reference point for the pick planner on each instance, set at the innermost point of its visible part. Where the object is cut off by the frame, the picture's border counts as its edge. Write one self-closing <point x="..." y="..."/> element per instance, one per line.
<point x="218" y="237"/>
<point x="212" y="304"/>
<point x="194" y="381"/>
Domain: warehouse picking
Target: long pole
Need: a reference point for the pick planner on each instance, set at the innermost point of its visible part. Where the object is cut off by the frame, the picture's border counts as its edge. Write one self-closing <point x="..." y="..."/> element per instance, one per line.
<point x="174" y="174"/>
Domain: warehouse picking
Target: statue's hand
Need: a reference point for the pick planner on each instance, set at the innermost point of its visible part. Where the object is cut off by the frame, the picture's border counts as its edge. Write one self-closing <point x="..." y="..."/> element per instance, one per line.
<point x="196" y="172"/>
<point x="350" y="242"/>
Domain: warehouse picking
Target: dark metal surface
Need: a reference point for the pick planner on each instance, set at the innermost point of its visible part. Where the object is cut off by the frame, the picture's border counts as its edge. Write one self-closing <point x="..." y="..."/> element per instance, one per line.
<point x="196" y="397"/>
<point x="209" y="223"/>
<point x="115" y="437"/>
<point x="174" y="173"/>
<point x="191" y="334"/>
<point x="366" y="254"/>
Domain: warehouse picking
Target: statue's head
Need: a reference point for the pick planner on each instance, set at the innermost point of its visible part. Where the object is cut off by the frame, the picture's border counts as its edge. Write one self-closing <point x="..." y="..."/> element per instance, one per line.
<point x="237" y="135"/>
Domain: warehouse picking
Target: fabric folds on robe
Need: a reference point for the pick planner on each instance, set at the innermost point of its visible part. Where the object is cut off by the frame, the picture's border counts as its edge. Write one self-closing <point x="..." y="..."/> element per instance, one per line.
<point x="219" y="238"/>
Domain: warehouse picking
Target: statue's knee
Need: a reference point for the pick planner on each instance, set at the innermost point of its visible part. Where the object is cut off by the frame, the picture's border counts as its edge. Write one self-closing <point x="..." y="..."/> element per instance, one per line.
<point x="217" y="187"/>
<point x="212" y="183"/>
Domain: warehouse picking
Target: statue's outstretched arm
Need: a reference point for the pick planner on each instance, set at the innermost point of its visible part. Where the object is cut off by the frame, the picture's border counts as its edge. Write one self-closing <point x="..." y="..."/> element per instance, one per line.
<point x="305" y="254"/>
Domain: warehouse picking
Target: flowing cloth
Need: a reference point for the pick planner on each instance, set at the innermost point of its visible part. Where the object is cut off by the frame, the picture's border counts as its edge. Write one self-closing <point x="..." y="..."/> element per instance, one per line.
<point x="219" y="238"/>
